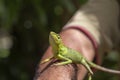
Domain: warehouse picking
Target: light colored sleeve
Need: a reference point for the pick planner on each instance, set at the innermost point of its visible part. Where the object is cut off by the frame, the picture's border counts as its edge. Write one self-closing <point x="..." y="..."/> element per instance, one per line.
<point x="100" y="18"/>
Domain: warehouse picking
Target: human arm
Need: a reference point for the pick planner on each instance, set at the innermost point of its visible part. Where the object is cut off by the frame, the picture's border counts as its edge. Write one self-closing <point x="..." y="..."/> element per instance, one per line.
<point x="67" y="55"/>
<point x="98" y="17"/>
<point x="68" y="72"/>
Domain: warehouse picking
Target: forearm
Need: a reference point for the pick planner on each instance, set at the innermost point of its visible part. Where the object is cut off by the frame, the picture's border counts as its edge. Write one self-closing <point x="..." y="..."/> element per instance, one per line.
<point x="73" y="39"/>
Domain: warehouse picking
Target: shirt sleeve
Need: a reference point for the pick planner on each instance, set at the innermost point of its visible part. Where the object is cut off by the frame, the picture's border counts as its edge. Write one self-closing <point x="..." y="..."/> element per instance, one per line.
<point x="100" y="18"/>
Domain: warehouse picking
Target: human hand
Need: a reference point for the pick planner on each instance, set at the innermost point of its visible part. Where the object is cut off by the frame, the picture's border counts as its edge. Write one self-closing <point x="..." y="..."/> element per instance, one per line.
<point x="75" y="40"/>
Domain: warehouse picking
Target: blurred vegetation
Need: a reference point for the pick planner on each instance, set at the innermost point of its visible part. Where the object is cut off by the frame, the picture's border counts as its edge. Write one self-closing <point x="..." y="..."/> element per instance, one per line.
<point x="24" y="29"/>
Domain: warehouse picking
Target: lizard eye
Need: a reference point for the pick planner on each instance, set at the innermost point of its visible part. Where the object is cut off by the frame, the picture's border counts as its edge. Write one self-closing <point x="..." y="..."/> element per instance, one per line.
<point x="58" y="37"/>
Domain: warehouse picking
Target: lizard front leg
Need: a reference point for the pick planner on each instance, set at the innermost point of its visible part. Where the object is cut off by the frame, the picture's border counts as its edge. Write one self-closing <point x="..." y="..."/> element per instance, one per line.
<point x="46" y="60"/>
<point x="66" y="60"/>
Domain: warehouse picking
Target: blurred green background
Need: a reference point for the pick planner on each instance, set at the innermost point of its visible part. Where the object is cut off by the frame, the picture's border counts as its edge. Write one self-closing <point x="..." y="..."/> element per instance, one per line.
<point x="24" y="30"/>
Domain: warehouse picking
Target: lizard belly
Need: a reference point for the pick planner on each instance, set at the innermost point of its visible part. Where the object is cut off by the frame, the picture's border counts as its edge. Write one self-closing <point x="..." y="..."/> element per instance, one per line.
<point x="73" y="55"/>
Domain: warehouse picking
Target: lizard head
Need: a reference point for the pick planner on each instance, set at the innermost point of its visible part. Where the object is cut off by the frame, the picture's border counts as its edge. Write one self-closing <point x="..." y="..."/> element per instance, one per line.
<point x="54" y="39"/>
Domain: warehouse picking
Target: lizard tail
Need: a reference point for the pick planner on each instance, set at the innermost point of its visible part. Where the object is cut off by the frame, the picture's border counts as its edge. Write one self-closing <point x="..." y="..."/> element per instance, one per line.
<point x="103" y="68"/>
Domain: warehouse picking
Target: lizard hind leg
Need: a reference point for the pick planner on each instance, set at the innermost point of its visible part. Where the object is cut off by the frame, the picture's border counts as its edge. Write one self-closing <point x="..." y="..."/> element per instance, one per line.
<point x="86" y="65"/>
<point x="89" y="76"/>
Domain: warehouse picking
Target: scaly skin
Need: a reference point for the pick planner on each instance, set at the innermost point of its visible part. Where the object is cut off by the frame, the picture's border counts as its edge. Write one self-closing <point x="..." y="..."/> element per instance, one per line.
<point x="68" y="55"/>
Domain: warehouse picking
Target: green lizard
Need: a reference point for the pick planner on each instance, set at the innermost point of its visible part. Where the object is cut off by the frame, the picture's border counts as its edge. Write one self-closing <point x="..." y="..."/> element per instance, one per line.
<point x="68" y="55"/>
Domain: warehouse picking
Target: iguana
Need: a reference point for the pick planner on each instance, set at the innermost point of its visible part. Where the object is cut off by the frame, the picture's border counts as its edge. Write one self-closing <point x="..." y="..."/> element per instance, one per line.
<point x="68" y="55"/>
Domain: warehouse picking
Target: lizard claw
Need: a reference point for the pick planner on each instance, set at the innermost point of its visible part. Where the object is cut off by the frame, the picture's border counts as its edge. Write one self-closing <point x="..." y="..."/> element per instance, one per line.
<point x="90" y="76"/>
<point x="56" y="64"/>
<point x="44" y="61"/>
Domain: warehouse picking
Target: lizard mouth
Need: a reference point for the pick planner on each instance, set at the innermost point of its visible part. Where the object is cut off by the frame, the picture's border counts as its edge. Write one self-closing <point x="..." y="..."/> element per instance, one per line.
<point x="54" y="38"/>
<point x="52" y="33"/>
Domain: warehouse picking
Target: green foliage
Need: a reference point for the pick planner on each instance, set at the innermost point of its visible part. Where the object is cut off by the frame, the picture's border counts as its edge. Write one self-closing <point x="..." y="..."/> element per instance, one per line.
<point x="82" y="1"/>
<point x="25" y="25"/>
<point x="4" y="53"/>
